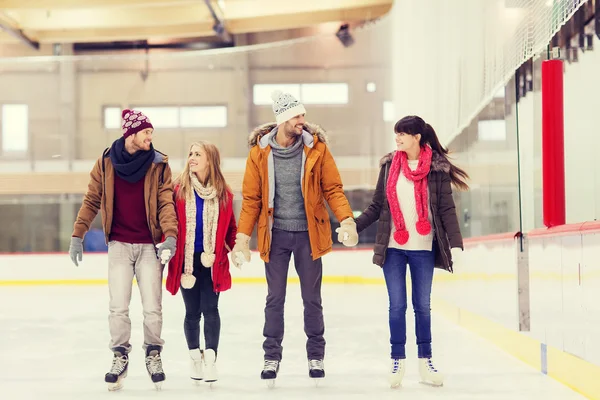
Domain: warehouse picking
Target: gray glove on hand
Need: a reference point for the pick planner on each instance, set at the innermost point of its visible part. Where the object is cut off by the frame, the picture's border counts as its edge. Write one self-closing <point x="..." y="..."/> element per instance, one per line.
<point x="166" y="250"/>
<point x="76" y="250"/>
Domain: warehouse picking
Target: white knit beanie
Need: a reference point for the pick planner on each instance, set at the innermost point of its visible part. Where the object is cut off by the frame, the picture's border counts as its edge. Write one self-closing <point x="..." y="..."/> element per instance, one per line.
<point x="286" y="106"/>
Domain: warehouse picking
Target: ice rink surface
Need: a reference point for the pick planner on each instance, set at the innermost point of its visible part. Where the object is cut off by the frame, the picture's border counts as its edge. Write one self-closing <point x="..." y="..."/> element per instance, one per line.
<point x="55" y="347"/>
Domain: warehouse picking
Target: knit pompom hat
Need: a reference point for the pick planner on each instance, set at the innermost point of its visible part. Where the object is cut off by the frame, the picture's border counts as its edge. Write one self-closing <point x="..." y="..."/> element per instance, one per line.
<point x="286" y="106"/>
<point x="133" y="122"/>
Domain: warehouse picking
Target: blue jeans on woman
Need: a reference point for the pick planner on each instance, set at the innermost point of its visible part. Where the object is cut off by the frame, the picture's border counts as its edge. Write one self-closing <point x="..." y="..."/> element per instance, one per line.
<point x="421" y="274"/>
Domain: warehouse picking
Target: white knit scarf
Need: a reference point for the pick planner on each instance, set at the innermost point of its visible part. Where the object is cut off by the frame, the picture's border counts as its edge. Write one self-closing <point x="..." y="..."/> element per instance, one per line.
<point x="210" y="218"/>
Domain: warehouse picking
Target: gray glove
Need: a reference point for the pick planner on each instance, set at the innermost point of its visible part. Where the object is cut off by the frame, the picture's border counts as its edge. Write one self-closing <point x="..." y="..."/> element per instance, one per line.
<point x="76" y="250"/>
<point x="166" y="250"/>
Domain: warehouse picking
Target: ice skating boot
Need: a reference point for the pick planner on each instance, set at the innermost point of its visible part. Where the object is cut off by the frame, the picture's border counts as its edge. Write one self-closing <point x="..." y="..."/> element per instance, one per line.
<point x="316" y="370"/>
<point x="118" y="371"/>
<point x="397" y="372"/>
<point x="154" y="366"/>
<point x="429" y="374"/>
<point x="269" y="372"/>
<point x="210" y="366"/>
<point x="196" y="363"/>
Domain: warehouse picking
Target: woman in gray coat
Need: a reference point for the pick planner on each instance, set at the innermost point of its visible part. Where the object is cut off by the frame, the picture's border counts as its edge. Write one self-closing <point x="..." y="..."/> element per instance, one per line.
<point x="418" y="226"/>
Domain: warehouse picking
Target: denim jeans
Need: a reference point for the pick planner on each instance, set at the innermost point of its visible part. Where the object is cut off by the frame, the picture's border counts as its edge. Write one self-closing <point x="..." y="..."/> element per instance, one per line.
<point x="200" y="300"/>
<point x="421" y="274"/>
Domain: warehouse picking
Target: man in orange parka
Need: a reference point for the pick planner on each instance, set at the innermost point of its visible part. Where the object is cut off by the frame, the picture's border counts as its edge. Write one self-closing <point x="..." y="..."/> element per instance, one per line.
<point x="289" y="175"/>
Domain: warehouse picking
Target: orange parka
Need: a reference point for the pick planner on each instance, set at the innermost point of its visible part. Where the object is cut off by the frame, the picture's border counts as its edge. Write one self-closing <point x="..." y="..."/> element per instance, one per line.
<point x="321" y="182"/>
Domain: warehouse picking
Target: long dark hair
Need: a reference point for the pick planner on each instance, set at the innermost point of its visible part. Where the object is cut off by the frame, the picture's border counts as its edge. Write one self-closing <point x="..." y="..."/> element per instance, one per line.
<point x="414" y="125"/>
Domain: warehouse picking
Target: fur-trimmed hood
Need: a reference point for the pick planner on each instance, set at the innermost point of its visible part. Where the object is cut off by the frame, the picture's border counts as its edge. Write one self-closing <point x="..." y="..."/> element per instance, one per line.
<point x="311" y="129"/>
<point x="438" y="162"/>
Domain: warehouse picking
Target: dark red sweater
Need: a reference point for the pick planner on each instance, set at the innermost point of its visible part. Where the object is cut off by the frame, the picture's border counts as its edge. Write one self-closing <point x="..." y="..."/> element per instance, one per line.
<point x="129" y="223"/>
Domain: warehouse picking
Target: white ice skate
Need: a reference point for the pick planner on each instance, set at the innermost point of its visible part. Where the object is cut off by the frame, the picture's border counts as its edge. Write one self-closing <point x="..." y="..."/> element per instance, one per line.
<point x="210" y="365"/>
<point x="397" y="372"/>
<point x="196" y="362"/>
<point x="429" y="374"/>
<point x="269" y="372"/>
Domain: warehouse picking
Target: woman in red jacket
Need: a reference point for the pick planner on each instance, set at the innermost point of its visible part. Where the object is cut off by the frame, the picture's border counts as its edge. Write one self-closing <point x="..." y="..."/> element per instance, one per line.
<point x="207" y="230"/>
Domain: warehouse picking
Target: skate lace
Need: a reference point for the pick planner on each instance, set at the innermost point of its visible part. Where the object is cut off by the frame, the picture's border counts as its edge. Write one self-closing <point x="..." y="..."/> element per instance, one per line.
<point x="430" y="366"/>
<point x="395" y="365"/>
<point x="154" y="364"/>
<point x="316" y="364"/>
<point x="270" y="365"/>
<point x="118" y="365"/>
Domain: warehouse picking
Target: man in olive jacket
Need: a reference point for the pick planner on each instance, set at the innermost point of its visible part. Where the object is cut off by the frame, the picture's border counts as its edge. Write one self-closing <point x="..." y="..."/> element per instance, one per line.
<point x="131" y="185"/>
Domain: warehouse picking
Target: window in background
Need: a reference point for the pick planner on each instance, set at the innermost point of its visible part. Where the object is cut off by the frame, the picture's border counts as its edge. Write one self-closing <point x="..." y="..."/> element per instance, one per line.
<point x="15" y="128"/>
<point x="492" y="130"/>
<point x="173" y="117"/>
<point x="112" y="118"/>
<point x="203" y="117"/>
<point x="389" y="114"/>
<point x="161" y="117"/>
<point x="324" y="93"/>
<point x="261" y="92"/>
<point x="307" y="93"/>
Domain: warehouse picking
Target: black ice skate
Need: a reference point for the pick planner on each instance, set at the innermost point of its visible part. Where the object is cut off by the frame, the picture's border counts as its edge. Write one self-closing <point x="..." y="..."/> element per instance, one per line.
<point x="316" y="369"/>
<point x="154" y="366"/>
<point x="118" y="371"/>
<point x="269" y="372"/>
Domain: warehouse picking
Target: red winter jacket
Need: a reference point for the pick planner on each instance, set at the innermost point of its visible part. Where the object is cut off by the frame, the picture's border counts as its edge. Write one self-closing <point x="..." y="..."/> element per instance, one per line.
<point x="226" y="231"/>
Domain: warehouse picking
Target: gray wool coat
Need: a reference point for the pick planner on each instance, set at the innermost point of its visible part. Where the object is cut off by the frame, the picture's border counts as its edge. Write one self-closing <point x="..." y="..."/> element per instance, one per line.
<point x="445" y="221"/>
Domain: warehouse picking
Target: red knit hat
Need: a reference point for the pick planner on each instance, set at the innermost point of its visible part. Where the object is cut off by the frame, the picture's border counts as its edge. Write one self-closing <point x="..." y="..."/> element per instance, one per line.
<point x="134" y="121"/>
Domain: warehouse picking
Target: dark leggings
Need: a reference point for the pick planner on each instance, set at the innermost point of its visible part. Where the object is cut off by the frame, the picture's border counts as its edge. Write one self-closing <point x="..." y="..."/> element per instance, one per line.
<point x="201" y="300"/>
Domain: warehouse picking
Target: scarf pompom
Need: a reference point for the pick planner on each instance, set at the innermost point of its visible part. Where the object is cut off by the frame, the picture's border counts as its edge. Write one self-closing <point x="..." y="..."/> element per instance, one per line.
<point x="423" y="227"/>
<point x="401" y="237"/>
<point x="188" y="281"/>
<point x="207" y="259"/>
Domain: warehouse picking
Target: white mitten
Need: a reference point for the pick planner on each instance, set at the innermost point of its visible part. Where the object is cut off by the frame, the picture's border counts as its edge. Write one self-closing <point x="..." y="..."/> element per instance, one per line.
<point x="241" y="251"/>
<point x="165" y="256"/>
<point x="457" y="255"/>
<point x="347" y="233"/>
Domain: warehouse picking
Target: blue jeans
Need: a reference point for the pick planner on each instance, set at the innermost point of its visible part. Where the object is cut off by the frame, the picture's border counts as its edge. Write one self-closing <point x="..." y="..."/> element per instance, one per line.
<point x="421" y="274"/>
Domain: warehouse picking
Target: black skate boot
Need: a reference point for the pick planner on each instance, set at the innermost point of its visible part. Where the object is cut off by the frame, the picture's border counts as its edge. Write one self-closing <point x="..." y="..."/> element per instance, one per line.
<point x="154" y="366"/>
<point x="316" y="369"/>
<point x="118" y="371"/>
<point x="269" y="372"/>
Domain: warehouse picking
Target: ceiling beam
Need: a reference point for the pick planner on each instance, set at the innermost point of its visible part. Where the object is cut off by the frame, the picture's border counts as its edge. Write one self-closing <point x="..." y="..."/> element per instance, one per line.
<point x="111" y="18"/>
<point x="83" y="4"/>
<point x="184" y="19"/>
<point x="9" y="27"/>
<point x="235" y="9"/>
<point x="202" y="29"/>
<point x="303" y="19"/>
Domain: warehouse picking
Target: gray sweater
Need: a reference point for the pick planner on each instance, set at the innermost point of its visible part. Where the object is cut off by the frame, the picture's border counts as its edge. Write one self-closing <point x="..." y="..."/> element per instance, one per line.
<point x="289" y="213"/>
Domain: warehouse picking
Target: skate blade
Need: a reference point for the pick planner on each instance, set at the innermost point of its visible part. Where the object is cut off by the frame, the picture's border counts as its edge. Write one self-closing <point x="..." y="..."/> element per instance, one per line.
<point x="270" y="383"/>
<point x="118" y="385"/>
<point x="158" y="386"/>
<point x="432" y="384"/>
<point x="318" y="381"/>
<point x="113" y="387"/>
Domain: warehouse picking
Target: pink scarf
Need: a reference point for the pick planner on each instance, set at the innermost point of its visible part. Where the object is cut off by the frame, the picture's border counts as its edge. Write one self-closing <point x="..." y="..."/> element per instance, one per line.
<point x="419" y="177"/>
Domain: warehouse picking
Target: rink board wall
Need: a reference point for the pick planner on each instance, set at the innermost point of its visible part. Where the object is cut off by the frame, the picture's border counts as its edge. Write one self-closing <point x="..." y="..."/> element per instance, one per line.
<point x="481" y="296"/>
